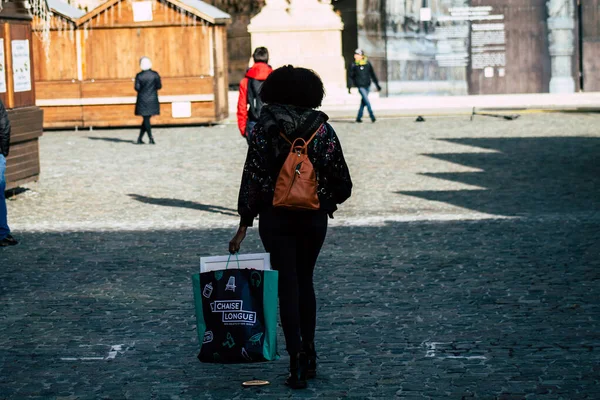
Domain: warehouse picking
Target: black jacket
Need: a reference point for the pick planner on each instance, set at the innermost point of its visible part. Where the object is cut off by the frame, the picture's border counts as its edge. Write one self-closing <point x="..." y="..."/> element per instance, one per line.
<point x="4" y="131"/>
<point x="147" y="84"/>
<point x="267" y="152"/>
<point x="361" y="76"/>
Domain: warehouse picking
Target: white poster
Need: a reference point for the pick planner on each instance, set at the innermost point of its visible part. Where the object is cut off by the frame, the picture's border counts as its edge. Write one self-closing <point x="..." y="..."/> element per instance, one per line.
<point x="181" y="109"/>
<point x="142" y="11"/>
<point x="2" y="68"/>
<point x="21" y="65"/>
<point x="425" y="14"/>
<point x="488" y="72"/>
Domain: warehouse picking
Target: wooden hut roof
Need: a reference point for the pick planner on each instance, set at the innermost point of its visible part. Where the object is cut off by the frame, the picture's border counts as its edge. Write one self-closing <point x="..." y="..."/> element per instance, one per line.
<point x="210" y="13"/>
<point x="198" y="8"/>
<point x="64" y="9"/>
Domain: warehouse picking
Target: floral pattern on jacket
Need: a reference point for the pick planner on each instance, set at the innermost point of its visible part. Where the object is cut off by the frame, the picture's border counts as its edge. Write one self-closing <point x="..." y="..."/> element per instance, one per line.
<point x="267" y="152"/>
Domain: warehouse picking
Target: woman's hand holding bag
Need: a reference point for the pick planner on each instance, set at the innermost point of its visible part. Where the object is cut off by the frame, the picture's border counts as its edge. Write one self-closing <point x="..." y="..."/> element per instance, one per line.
<point x="236" y="242"/>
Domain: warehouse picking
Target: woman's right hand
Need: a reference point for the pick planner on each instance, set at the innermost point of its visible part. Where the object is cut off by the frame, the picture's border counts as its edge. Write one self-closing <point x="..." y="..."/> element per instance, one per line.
<point x="236" y="242"/>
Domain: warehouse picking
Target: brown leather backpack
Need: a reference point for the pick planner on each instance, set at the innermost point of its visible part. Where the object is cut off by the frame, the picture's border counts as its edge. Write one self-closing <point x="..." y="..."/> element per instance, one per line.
<point x="296" y="186"/>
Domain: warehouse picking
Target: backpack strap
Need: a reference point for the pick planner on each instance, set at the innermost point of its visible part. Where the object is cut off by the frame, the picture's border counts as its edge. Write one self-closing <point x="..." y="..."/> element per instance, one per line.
<point x="305" y="142"/>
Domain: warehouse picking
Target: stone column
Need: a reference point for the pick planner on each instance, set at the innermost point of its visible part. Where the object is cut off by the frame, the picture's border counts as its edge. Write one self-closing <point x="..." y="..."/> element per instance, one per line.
<point x="561" y="24"/>
<point x="304" y="33"/>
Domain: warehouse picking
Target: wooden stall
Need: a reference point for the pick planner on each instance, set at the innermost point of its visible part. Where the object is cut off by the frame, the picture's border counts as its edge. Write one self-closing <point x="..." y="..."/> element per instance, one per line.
<point x="17" y="91"/>
<point x="86" y="77"/>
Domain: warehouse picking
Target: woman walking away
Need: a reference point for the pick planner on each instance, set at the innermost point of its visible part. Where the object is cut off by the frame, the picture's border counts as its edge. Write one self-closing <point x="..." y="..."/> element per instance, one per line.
<point x="294" y="238"/>
<point x="147" y="84"/>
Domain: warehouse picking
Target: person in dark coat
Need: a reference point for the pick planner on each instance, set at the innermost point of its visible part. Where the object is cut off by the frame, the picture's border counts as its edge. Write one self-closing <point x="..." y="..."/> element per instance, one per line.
<point x="360" y="75"/>
<point x="6" y="239"/>
<point x="147" y="84"/>
<point x="293" y="238"/>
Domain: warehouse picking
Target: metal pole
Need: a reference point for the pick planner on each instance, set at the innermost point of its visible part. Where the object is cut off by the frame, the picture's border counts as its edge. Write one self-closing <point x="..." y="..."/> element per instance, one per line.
<point x="424" y="24"/>
<point x="580" y="29"/>
<point x="385" y="46"/>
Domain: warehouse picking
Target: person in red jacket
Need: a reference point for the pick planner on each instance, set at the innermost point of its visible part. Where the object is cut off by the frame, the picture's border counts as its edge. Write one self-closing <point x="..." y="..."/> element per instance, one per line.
<point x="249" y="102"/>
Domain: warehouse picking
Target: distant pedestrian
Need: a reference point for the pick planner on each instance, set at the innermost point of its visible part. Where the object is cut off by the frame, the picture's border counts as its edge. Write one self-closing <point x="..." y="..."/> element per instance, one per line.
<point x="293" y="237"/>
<point x="147" y="84"/>
<point x="360" y="75"/>
<point x="249" y="102"/>
<point x="6" y="239"/>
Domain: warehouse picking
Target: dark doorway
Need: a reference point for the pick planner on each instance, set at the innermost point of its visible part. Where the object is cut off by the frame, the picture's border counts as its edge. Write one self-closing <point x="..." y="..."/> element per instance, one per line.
<point x="347" y="11"/>
<point x="589" y="15"/>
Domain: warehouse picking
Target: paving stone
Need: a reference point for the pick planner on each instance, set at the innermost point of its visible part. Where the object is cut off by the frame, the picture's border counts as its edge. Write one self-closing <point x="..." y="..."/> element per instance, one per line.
<point x="465" y="265"/>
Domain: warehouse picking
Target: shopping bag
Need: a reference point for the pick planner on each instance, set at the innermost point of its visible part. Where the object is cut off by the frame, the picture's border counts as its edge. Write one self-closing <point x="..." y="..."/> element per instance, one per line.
<point x="251" y="261"/>
<point x="236" y="314"/>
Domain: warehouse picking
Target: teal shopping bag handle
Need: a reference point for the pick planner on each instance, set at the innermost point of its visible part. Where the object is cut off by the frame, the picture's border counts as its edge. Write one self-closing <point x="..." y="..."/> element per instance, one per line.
<point x="236" y="258"/>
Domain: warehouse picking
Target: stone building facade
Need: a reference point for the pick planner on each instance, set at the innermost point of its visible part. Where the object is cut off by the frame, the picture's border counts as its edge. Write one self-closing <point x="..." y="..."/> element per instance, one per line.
<point x="452" y="47"/>
<point x="481" y="46"/>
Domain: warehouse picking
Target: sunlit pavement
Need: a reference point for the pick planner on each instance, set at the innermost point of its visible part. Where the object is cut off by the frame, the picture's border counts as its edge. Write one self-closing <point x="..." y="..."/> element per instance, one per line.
<point x="464" y="266"/>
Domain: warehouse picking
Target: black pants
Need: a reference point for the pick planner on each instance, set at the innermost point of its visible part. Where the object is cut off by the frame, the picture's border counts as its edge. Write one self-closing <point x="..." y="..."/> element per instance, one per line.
<point x="294" y="240"/>
<point x="146" y="128"/>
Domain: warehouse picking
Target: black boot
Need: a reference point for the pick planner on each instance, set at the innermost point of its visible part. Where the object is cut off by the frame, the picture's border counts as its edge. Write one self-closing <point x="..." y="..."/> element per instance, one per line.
<point x="311" y="360"/>
<point x="151" y="138"/>
<point x="297" y="378"/>
<point x="140" y="141"/>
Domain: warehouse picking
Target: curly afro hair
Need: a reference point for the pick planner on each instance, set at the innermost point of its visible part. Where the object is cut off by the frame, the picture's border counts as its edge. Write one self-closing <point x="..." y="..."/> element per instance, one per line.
<point x="294" y="86"/>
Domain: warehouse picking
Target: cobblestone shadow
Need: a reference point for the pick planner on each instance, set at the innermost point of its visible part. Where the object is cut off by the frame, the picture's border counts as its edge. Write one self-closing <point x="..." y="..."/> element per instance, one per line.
<point x="184" y="204"/>
<point x="112" y="140"/>
<point x="524" y="176"/>
<point x="491" y="309"/>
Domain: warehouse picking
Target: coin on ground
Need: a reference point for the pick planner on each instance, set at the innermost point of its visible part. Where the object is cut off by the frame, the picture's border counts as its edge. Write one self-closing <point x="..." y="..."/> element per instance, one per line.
<point x="255" y="382"/>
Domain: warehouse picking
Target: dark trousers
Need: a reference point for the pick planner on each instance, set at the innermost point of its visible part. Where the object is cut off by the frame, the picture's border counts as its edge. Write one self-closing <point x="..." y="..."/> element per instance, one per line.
<point x="145" y="128"/>
<point x="294" y="240"/>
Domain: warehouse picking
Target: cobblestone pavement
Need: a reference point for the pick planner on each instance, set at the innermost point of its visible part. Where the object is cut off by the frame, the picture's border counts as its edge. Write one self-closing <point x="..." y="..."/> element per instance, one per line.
<point x="466" y="265"/>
